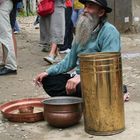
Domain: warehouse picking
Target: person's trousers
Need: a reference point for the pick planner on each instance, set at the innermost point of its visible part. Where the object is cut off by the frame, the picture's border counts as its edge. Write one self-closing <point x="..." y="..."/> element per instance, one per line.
<point x="17" y="28"/>
<point x="69" y="29"/>
<point x="6" y="35"/>
<point x="56" y="85"/>
<point x="75" y="15"/>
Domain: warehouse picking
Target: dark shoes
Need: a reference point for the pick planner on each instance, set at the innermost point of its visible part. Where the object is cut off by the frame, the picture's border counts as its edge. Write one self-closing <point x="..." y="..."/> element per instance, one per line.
<point x="124" y="89"/>
<point x="6" y="71"/>
<point x="1" y="65"/>
<point x="126" y="96"/>
<point x="46" y="49"/>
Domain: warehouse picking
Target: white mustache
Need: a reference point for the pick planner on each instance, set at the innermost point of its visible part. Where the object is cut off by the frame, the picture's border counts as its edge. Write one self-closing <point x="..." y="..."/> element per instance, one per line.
<point x="88" y="15"/>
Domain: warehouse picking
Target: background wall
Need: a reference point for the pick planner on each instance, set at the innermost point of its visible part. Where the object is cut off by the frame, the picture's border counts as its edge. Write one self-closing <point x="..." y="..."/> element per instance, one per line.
<point x="125" y="15"/>
<point x="121" y="15"/>
<point x="136" y="15"/>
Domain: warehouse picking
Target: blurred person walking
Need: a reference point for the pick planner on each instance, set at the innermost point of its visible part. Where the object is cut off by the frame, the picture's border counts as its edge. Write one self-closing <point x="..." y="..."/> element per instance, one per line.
<point x="54" y="30"/>
<point x="19" y="8"/>
<point x="68" y="28"/>
<point x="78" y="8"/>
<point x="6" y="39"/>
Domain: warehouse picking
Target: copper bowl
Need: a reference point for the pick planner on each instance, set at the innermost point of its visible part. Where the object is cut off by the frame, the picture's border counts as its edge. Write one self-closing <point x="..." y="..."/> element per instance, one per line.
<point x="62" y="111"/>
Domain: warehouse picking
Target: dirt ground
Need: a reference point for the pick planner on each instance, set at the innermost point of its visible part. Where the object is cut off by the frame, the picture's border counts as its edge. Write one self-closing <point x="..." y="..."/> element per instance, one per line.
<point x="30" y="62"/>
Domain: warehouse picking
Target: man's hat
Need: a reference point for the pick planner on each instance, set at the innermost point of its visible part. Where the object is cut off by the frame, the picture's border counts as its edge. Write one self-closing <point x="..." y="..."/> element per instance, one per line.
<point x="102" y="3"/>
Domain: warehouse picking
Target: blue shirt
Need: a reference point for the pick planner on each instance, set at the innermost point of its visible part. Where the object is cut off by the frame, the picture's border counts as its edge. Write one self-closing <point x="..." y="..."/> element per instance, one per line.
<point x="103" y="39"/>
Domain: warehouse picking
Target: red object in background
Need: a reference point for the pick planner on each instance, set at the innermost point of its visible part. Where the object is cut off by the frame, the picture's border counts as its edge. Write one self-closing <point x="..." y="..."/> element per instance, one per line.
<point x="45" y="7"/>
<point x="68" y="3"/>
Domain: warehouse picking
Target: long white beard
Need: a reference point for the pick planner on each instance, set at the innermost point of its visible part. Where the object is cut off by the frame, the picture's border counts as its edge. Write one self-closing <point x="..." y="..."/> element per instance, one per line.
<point x="85" y="26"/>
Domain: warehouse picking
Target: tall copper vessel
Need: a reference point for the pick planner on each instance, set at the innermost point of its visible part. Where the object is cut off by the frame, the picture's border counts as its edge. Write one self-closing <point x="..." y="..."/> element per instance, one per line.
<point x="101" y="81"/>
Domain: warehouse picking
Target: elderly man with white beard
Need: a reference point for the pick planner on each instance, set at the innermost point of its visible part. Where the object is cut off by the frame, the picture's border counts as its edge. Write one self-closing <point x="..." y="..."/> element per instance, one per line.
<point x="93" y="34"/>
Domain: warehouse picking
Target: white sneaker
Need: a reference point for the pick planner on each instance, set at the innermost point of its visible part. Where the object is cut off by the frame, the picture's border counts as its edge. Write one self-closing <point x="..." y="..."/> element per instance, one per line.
<point x="49" y="59"/>
<point x="65" y="51"/>
<point x="52" y="60"/>
<point x="36" y="26"/>
<point x="16" y="32"/>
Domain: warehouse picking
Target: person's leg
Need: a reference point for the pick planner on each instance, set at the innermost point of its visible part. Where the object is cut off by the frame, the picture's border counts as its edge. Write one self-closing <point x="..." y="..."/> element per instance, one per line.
<point x="74" y="17"/>
<point x="37" y="20"/>
<point x="15" y="43"/>
<point x="51" y="58"/>
<point x="16" y="27"/>
<point x="12" y="22"/>
<point x="56" y="36"/>
<point x="42" y="30"/>
<point x="7" y="41"/>
<point x="78" y="91"/>
<point x="44" y="33"/>
<point x="62" y="46"/>
<point x="3" y="57"/>
<point x="68" y="32"/>
<point x="53" y="51"/>
<point x="70" y="38"/>
<point x="45" y="38"/>
<point x="9" y="54"/>
<point x="13" y="14"/>
<point x="56" y="85"/>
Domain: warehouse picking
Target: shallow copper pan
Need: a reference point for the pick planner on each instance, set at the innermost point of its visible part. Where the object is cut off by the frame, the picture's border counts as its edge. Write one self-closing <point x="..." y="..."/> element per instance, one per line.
<point x="10" y="110"/>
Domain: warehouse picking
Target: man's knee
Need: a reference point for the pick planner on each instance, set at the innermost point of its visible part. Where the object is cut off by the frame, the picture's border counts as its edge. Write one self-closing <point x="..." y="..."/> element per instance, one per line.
<point x="55" y="85"/>
<point x="78" y="90"/>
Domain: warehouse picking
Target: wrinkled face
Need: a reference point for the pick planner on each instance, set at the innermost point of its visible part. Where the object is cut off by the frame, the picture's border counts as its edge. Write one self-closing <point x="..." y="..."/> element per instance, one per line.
<point x="87" y="22"/>
<point x="94" y="9"/>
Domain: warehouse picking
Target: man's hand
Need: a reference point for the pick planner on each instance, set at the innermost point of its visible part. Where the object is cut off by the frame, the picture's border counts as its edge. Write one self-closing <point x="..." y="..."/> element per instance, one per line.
<point x="39" y="77"/>
<point x="72" y="83"/>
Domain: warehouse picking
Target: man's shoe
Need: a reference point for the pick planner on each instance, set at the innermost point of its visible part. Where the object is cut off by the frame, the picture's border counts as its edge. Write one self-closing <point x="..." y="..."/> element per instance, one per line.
<point x="6" y="71"/>
<point x="2" y="65"/>
<point x="46" y="49"/>
<point x="49" y="59"/>
<point x="65" y="51"/>
<point x="16" y="32"/>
